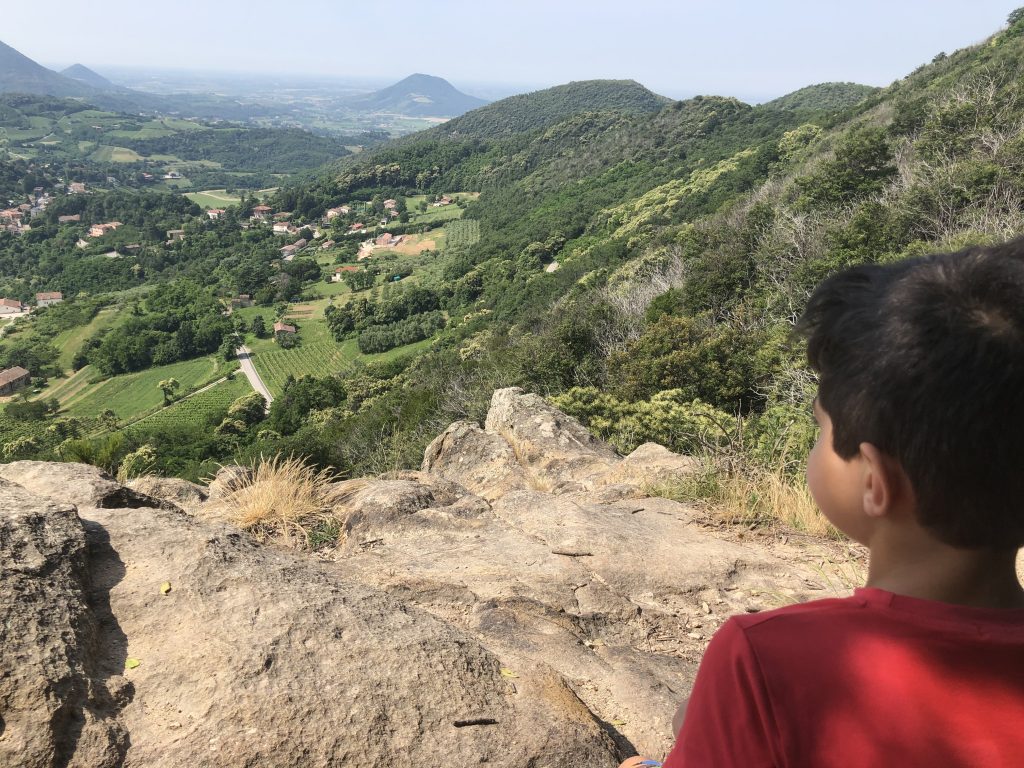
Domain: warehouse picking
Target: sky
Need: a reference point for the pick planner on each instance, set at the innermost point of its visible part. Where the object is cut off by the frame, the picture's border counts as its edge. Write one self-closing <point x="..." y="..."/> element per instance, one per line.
<point x="753" y="49"/>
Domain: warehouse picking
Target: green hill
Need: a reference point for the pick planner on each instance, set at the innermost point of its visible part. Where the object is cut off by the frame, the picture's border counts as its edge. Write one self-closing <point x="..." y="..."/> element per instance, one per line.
<point x="19" y="74"/>
<point x="824" y="96"/>
<point x="528" y="111"/>
<point x="87" y="76"/>
<point x="418" y="96"/>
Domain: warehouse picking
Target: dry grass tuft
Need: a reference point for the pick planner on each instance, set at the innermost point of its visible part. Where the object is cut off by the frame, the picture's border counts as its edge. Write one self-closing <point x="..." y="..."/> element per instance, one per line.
<point x="752" y="496"/>
<point x="285" y="498"/>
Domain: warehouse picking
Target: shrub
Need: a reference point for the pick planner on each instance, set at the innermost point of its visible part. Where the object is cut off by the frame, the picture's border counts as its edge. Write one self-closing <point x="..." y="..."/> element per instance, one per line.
<point x="284" y="497"/>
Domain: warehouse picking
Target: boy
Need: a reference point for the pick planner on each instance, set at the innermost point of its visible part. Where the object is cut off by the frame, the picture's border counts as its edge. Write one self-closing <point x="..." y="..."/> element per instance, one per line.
<point x="920" y="458"/>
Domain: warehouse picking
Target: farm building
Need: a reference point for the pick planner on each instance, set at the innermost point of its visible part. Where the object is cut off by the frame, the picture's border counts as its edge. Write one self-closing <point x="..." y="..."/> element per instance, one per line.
<point x="47" y="298"/>
<point x="99" y="230"/>
<point x="11" y="307"/>
<point x="280" y="327"/>
<point x="12" y="379"/>
<point x="215" y="213"/>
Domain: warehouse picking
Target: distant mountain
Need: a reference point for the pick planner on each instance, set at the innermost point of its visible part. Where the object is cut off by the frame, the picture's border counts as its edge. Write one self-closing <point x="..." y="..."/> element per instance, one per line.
<point x="418" y="96"/>
<point x="85" y="75"/>
<point x="19" y="74"/>
<point x="824" y="96"/>
<point x="539" y="109"/>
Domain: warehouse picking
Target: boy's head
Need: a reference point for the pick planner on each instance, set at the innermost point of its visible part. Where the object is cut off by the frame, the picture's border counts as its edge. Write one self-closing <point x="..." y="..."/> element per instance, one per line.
<point x="924" y="360"/>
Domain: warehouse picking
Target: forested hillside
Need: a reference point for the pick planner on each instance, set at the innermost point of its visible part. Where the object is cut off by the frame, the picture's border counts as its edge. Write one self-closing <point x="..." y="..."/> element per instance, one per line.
<point x="683" y="244"/>
<point x="639" y="261"/>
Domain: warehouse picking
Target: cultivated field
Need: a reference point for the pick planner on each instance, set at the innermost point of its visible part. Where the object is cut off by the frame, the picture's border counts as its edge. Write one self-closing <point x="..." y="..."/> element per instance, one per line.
<point x="213" y="198"/>
<point x="199" y="408"/>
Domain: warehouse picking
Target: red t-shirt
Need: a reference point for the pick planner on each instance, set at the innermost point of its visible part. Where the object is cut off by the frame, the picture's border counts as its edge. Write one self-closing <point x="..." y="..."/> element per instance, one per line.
<point x="872" y="680"/>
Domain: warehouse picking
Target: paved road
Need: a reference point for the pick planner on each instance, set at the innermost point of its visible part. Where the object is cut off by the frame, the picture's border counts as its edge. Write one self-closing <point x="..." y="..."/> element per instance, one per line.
<point x="245" y="360"/>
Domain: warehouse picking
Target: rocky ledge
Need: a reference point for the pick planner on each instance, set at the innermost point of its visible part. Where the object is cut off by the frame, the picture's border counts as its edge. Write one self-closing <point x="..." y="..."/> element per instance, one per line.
<point x="519" y="601"/>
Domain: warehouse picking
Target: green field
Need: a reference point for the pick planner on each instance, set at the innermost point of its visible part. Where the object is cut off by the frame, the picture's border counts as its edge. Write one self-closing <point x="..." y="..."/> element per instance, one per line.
<point x="132" y="395"/>
<point x="70" y="341"/>
<point x="198" y="408"/>
<point x="213" y="198"/>
<point x="107" y="154"/>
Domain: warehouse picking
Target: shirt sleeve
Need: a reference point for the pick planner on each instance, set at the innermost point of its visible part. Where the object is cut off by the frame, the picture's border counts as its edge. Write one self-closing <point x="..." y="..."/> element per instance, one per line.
<point x="729" y="720"/>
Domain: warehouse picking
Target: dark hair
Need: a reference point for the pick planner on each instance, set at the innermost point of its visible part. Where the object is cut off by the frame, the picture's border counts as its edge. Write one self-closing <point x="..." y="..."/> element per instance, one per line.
<point x="924" y="359"/>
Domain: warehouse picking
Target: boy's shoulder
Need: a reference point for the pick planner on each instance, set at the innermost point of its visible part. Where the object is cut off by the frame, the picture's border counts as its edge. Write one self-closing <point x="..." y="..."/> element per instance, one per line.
<point x="870" y="610"/>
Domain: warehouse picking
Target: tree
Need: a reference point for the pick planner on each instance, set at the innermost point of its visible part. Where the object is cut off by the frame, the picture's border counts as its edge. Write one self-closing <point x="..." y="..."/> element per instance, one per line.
<point x="168" y="387"/>
<point x="259" y="327"/>
<point x="110" y="421"/>
<point x="1015" y="16"/>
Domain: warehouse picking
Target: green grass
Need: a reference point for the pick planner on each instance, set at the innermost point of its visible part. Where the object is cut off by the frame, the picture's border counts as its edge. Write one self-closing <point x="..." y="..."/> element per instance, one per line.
<point x="71" y="340"/>
<point x="107" y="154"/>
<point x="132" y="395"/>
<point x="199" y="408"/>
<point x="213" y="198"/>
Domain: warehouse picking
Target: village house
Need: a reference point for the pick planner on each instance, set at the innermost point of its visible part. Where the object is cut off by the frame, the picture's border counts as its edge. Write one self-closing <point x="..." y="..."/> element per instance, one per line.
<point x="390" y="204"/>
<point x="442" y="201"/>
<point x="99" y="230"/>
<point x="69" y="219"/>
<point x="288" y="252"/>
<point x="12" y="379"/>
<point x="11" y="216"/>
<point x="357" y="226"/>
<point x="215" y="213"/>
<point x="340" y="272"/>
<point x="327" y="244"/>
<point x="261" y="212"/>
<point x="76" y="188"/>
<point x="47" y="298"/>
<point x="175" y="234"/>
<point x="280" y="327"/>
<point x="341" y="210"/>
<point x="241" y="301"/>
<point x="387" y="240"/>
<point x="284" y="228"/>
<point x="11" y="307"/>
<point x="172" y="175"/>
<point x="82" y="243"/>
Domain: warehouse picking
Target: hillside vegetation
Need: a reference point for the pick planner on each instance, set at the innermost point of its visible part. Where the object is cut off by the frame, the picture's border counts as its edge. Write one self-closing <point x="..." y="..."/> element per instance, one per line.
<point x="639" y="261"/>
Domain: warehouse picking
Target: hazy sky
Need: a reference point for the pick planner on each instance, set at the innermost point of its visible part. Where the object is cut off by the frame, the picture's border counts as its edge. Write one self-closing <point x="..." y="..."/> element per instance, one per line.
<point x="753" y="49"/>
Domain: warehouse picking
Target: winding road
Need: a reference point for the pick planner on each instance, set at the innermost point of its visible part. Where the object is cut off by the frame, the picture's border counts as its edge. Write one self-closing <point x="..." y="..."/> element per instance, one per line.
<point x="245" y="360"/>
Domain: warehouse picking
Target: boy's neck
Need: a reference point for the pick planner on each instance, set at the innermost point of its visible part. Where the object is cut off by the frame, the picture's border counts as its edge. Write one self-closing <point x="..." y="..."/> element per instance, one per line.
<point x="915" y="564"/>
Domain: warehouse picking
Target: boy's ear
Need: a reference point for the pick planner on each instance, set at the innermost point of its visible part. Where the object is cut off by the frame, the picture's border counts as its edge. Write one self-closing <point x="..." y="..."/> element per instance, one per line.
<point x="882" y="478"/>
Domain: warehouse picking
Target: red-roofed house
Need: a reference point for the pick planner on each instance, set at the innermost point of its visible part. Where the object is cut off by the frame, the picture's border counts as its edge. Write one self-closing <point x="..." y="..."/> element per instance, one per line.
<point x="357" y="226"/>
<point x="47" y="298"/>
<point x="280" y="327"/>
<point x="12" y="379"/>
<point x="261" y="212"/>
<point x="11" y="307"/>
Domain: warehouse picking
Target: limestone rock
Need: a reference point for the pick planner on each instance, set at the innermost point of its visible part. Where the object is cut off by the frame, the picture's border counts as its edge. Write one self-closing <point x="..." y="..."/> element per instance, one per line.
<point x="482" y="462"/>
<point x="172" y="641"/>
<point x="55" y="707"/>
<point x="80" y="484"/>
<point x="648" y="466"/>
<point x="186" y="495"/>
<point x="557" y="450"/>
<point x="228" y="479"/>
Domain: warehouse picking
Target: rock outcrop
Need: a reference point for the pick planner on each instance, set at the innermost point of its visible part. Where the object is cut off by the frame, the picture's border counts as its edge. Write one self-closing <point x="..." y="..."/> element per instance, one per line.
<point x="518" y="601"/>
